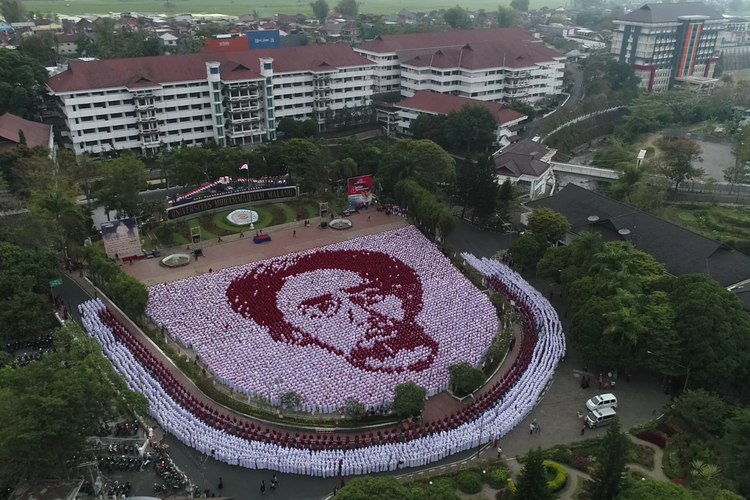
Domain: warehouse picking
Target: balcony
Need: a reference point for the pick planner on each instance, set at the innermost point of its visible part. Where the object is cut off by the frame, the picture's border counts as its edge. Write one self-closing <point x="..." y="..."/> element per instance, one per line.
<point x="236" y="97"/>
<point x="149" y="128"/>
<point x="236" y="132"/>
<point x="143" y="105"/>
<point x="150" y="142"/>
<point x="240" y="108"/>
<point x="245" y="118"/>
<point x="146" y="117"/>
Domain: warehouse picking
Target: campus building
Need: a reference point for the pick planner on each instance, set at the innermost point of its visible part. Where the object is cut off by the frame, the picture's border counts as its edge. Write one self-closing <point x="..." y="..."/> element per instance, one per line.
<point x="528" y="165"/>
<point x="502" y="64"/>
<point x="234" y="98"/>
<point x="434" y="103"/>
<point x="670" y="44"/>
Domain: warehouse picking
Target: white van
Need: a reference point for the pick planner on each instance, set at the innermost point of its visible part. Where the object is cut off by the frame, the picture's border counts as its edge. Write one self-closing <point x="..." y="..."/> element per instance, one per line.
<point x="601" y="417"/>
<point x="602" y="401"/>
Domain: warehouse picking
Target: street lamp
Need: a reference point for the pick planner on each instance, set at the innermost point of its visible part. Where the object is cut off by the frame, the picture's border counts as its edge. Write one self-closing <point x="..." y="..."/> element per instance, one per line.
<point x="687" y="370"/>
<point x="481" y="429"/>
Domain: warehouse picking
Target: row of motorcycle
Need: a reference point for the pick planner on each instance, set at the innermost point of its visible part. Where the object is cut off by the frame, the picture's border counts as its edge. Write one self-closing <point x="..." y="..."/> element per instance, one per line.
<point x="125" y="457"/>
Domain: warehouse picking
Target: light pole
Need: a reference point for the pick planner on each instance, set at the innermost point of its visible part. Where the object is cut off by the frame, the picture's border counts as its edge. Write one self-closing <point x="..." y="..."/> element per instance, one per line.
<point x="481" y="429"/>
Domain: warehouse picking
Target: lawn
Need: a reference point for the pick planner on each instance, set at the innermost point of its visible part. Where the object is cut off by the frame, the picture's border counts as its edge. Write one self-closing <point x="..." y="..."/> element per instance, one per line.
<point x="289" y="212"/>
<point x="264" y="219"/>
<point x="729" y="224"/>
<point x="205" y="234"/>
<point x="264" y="7"/>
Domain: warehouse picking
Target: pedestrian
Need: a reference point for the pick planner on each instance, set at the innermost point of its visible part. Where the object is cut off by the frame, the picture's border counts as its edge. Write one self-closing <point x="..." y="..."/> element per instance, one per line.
<point x="566" y="313"/>
<point x="262" y="486"/>
<point x="220" y="240"/>
<point x="242" y="234"/>
<point x="81" y="274"/>
<point x="551" y="294"/>
<point x="583" y="429"/>
<point x="627" y="376"/>
<point x="335" y="490"/>
<point x="210" y="270"/>
<point x="343" y="483"/>
<point x="221" y="484"/>
<point x="499" y="452"/>
<point x="612" y="385"/>
<point x="583" y="382"/>
<point x="537" y="427"/>
<point x="294" y="233"/>
<point x="531" y="428"/>
<point x="274" y="482"/>
<point x="369" y="217"/>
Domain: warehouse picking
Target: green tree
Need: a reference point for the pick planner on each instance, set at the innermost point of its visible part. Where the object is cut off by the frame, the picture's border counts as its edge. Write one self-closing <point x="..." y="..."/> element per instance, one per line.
<point x="703" y="410"/>
<point x="42" y="47"/>
<point x="13" y="11"/>
<point x="457" y="18"/>
<point x="122" y="179"/>
<point x="507" y="199"/>
<point x="532" y="480"/>
<point x="374" y="488"/>
<point x="353" y="409"/>
<point x="343" y="169"/>
<point x="320" y="9"/>
<point x="86" y="47"/>
<point x="465" y="378"/>
<point x="23" y="316"/>
<point x="431" y="127"/>
<point x="608" y="475"/>
<point x="366" y="155"/>
<point x="527" y="250"/>
<point x="26" y="269"/>
<point x="522" y="107"/>
<point x="349" y="8"/>
<point x="676" y="161"/>
<point x="58" y="212"/>
<point x="299" y="155"/>
<point x="130" y="294"/>
<point x="507" y="17"/>
<point x="166" y="232"/>
<point x="548" y="224"/>
<point x="616" y="156"/>
<point x="472" y="129"/>
<point x="520" y="5"/>
<point x="651" y="489"/>
<point x="737" y="442"/>
<point x="291" y="400"/>
<point x="288" y="126"/>
<point x="739" y="173"/>
<point x="23" y="83"/>
<point x="408" y="399"/>
<point x="422" y="160"/>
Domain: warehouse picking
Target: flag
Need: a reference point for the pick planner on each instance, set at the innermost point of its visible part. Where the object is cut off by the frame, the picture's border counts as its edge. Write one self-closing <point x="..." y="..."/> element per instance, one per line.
<point x="244" y="167"/>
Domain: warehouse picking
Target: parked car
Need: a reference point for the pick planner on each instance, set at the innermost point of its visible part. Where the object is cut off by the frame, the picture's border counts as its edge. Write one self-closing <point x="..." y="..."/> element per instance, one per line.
<point x="601" y="401"/>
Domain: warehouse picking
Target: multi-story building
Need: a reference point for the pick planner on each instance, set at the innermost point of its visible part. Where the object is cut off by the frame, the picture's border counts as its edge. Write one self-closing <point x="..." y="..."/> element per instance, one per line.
<point x="501" y="64"/>
<point x="234" y="98"/>
<point x="434" y="103"/>
<point x="670" y="43"/>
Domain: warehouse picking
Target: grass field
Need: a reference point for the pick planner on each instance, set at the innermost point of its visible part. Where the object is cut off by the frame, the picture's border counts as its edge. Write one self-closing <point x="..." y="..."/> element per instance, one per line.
<point x="264" y="7"/>
<point x="717" y="222"/>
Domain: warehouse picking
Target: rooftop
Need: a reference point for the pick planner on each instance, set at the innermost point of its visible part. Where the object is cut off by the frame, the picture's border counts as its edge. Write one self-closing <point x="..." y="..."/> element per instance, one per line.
<point x="37" y="134"/>
<point x="480" y="55"/>
<point x="670" y="12"/>
<point x="680" y="250"/>
<point x="442" y="104"/>
<point x="524" y="157"/>
<point x="442" y="39"/>
<point x="243" y="65"/>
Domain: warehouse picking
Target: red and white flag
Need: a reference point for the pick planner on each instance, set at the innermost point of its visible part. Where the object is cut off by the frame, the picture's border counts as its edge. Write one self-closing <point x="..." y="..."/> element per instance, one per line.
<point x="244" y="167"/>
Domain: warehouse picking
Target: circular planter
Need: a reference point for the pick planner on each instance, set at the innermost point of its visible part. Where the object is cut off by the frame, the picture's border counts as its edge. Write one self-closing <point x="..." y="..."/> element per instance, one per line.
<point x="243" y="217"/>
<point x="340" y="224"/>
<point x="175" y="260"/>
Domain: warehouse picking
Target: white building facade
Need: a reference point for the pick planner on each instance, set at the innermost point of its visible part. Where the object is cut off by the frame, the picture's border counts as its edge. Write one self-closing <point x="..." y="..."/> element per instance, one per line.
<point x="235" y="98"/>
<point x="495" y="65"/>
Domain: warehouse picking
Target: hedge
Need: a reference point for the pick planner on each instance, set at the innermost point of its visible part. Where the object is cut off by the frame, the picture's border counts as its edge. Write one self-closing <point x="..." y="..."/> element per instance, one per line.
<point x="556" y="484"/>
<point x="654" y="437"/>
<point x="497" y="478"/>
<point x="469" y="482"/>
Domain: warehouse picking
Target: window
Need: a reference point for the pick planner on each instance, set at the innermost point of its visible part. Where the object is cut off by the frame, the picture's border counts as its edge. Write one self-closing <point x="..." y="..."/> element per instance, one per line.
<point x="183" y="108"/>
<point x="116" y="115"/>
<point x="104" y="130"/>
<point x="185" y="119"/>
<point x="218" y="120"/>
<point x="84" y="106"/>
<point x="87" y="118"/>
<point x="170" y="110"/>
<point x="172" y="120"/>
<point x="89" y="131"/>
<point x="101" y="117"/>
<point x="267" y="65"/>
<point x="217" y="97"/>
<point x="214" y="71"/>
<point x="118" y="127"/>
<point x="100" y="104"/>
<point x="218" y="108"/>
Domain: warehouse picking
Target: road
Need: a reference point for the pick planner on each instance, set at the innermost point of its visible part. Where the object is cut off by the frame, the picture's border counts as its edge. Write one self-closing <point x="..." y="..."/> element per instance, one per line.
<point x="639" y="401"/>
<point x="576" y="94"/>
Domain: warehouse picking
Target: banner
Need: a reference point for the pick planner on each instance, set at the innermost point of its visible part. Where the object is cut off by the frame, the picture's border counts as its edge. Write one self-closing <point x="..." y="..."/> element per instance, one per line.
<point x="218" y="202"/>
<point x="121" y="237"/>
<point x="360" y="191"/>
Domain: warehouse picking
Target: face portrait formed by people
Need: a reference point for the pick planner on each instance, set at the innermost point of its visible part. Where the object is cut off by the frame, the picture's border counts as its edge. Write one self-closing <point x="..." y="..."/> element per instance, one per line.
<point x="361" y="305"/>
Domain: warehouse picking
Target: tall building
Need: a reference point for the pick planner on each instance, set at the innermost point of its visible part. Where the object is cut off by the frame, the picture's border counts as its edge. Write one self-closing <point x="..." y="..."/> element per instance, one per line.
<point x="500" y="64"/>
<point x="670" y="43"/>
<point x="234" y="98"/>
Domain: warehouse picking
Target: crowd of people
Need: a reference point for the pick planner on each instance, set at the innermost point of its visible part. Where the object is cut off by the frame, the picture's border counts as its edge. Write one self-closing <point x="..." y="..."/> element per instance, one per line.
<point x="236" y="441"/>
<point x="353" y="319"/>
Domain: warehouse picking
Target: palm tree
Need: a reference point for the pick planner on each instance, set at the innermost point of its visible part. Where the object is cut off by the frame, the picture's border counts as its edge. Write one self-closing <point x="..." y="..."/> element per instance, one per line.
<point x="611" y="260"/>
<point x="586" y="246"/>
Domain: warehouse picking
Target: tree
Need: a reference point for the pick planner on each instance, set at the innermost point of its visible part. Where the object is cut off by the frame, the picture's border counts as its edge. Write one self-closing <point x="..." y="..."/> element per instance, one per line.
<point x="431" y="127"/>
<point x="23" y="316"/>
<point x="353" y="408"/>
<point x="472" y="129"/>
<point x="549" y="224"/>
<point x="421" y="160"/>
<point x="651" y="489"/>
<point x="507" y="199"/>
<point x="23" y="83"/>
<point x="291" y="400"/>
<point x="408" y="399"/>
<point x="457" y="18"/>
<point x="21" y="137"/>
<point x="677" y="159"/>
<point x="507" y="17"/>
<point x="320" y="9"/>
<point x="703" y="410"/>
<point x="532" y="480"/>
<point x="343" y="169"/>
<point x="527" y="250"/>
<point x="86" y="47"/>
<point x="737" y="441"/>
<point x="739" y="173"/>
<point x="374" y="488"/>
<point x="122" y="179"/>
<point x="520" y="5"/>
<point x="41" y="47"/>
<point x="13" y="11"/>
<point x="366" y="155"/>
<point x="349" y="8"/>
<point x="465" y="378"/>
<point x="608" y="475"/>
<point x="522" y="107"/>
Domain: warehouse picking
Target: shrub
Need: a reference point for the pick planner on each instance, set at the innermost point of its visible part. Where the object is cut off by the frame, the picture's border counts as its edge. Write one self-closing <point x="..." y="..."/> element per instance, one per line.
<point x="497" y="478"/>
<point x="562" y="455"/>
<point x="561" y="476"/>
<point x="469" y="482"/>
<point x="654" y="437"/>
<point x="581" y="463"/>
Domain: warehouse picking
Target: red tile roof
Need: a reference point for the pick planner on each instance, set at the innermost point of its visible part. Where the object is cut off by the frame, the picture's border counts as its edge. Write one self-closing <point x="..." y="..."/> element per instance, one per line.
<point x="436" y="40"/>
<point x="37" y="134"/>
<point x="111" y="73"/>
<point x="442" y="104"/>
<point x="481" y="55"/>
